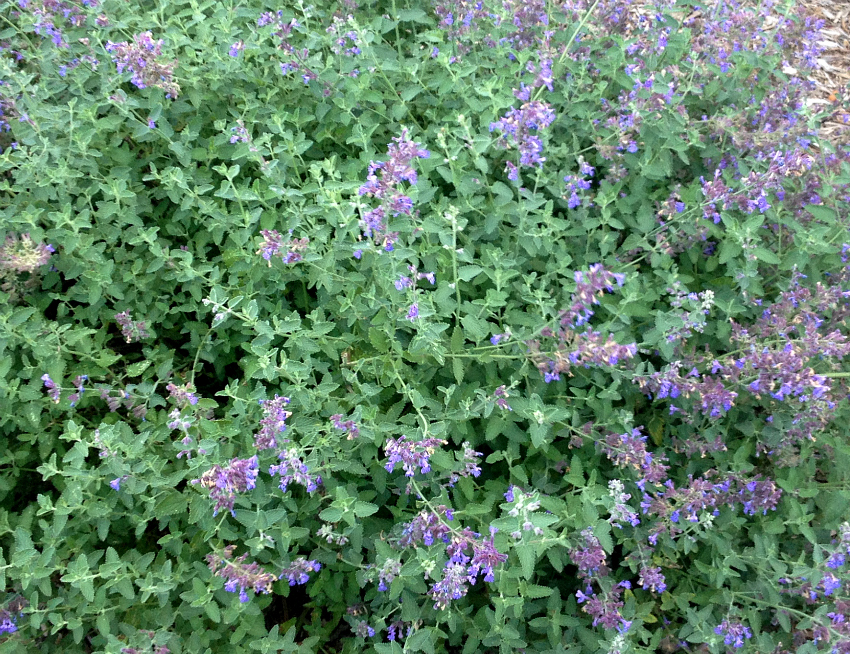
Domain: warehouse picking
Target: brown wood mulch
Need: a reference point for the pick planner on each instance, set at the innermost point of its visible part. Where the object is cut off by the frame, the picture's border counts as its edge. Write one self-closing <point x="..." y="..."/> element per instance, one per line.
<point x="832" y="77"/>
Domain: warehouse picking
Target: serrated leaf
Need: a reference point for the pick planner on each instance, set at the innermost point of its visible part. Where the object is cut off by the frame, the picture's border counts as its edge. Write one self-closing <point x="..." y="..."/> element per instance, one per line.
<point x="415" y="15"/>
<point x="331" y="514"/>
<point x="136" y="369"/>
<point x="526" y="555"/>
<point x="87" y="589"/>
<point x="171" y="504"/>
<point x="103" y="624"/>
<point x="602" y="531"/>
<point x="458" y="369"/>
<point x="536" y="592"/>
<point x="363" y="509"/>
<point x="421" y="640"/>
<point x="213" y="611"/>
<point x="822" y="213"/>
<point x="763" y="254"/>
<point x="576" y="474"/>
<point x="467" y="273"/>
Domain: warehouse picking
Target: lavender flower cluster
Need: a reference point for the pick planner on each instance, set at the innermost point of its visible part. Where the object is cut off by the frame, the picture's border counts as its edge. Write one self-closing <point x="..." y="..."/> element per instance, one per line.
<point x="289" y="250"/>
<point x="345" y="42"/>
<point x="375" y="222"/>
<point x="734" y="632"/>
<point x="239" y="575"/>
<point x="293" y="470"/>
<point x="411" y="454"/>
<point x="773" y="359"/>
<point x="131" y="330"/>
<point x="239" y="476"/>
<point x="602" y="600"/>
<point x="404" y="282"/>
<point x="461" y="19"/>
<point x="701" y="499"/>
<point x="576" y="183"/>
<point x="142" y="59"/>
<point x="348" y="426"/>
<point x="298" y="572"/>
<point x="50" y="15"/>
<point x="283" y="31"/>
<point x="516" y="128"/>
<point x="272" y="423"/>
<point x="21" y="254"/>
<point x="588" y="348"/>
<point x="469" y="555"/>
<point x="10" y="615"/>
<point x="182" y="395"/>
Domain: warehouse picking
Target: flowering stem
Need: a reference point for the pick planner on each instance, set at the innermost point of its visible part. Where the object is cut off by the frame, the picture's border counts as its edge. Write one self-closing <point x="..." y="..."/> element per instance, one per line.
<point x="569" y="44"/>
<point x="198" y="354"/>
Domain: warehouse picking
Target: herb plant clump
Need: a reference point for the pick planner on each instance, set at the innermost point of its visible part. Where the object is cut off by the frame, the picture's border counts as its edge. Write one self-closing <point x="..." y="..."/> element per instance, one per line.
<point x="396" y="326"/>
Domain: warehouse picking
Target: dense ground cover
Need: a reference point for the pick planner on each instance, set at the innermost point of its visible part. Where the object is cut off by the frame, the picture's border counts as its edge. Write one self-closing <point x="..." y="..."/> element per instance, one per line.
<point x="458" y="327"/>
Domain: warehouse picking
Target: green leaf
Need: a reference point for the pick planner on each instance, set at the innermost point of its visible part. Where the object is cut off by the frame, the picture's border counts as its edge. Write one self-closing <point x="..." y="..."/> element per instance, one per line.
<point x="331" y="514"/>
<point x="172" y="504"/>
<point x="576" y="473"/>
<point x="363" y="509"/>
<point x="136" y="369"/>
<point x="527" y="557"/>
<point x="421" y="640"/>
<point x="415" y="15"/>
<point x="763" y="254"/>
<point x="458" y="369"/>
<point x="213" y="611"/>
<point x="467" y="273"/>
<point x="536" y="592"/>
<point x="822" y="213"/>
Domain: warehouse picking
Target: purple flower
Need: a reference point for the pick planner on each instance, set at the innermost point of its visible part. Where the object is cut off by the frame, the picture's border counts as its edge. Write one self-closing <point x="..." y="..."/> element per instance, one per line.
<point x="239" y="476"/>
<point x="589" y="558"/>
<point x="141" y="58"/>
<point x="239" y="575"/>
<point x="402" y="151"/>
<point x="130" y="330"/>
<point x="516" y="126"/>
<point x="115" y="483"/>
<point x="54" y="390"/>
<point x="501" y="395"/>
<point x="363" y="630"/>
<point x="293" y="469"/>
<point x="395" y="629"/>
<point x="389" y="571"/>
<point x="652" y="579"/>
<point x="835" y="561"/>
<point x="734" y="632"/>
<point x="345" y="425"/>
<point x="273" y="422"/>
<point x="413" y="312"/>
<point x="236" y="48"/>
<point x="7" y="626"/>
<point x="411" y="454"/>
<point x="182" y="395"/>
<point x="298" y="572"/>
<point x="273" y="244"/>
<point x="454" y="585"/>
<point x="830" y="583"/>
<point x="22" y="254"/>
